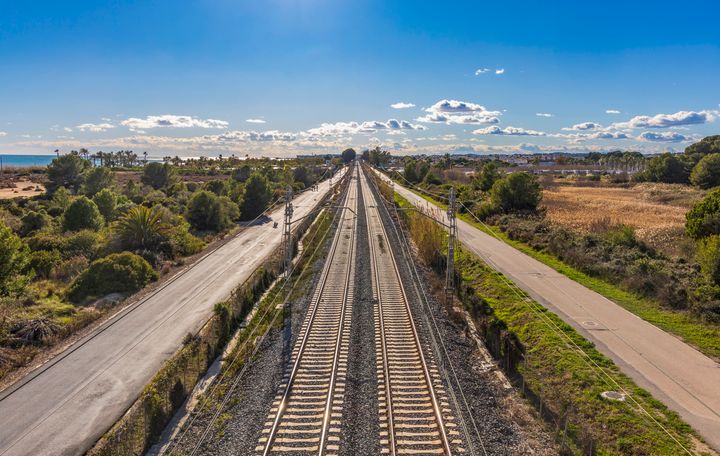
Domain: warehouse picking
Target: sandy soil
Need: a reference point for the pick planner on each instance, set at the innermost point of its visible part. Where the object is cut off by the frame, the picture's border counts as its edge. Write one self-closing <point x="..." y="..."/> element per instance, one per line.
<point x="21" y="187"/>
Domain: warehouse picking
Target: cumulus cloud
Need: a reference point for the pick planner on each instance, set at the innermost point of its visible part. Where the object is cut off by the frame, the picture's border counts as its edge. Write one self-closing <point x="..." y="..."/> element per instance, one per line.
<point x="578" y="137"/>
<point x="669" y="136"/>
<point x="2" y="133"/>
<point x="264" y="136"/>
<point x="585" y="126"/>
<point x="257" y="121"/>
<point x="543" y="114"/>
<point x="480" y="71"/>
<point x="459" y="112"/>
<point x="612" y="111"/>
<point x="368" y="127"/>
<point x="679" y="118"/>
<point x="95" y="128"/>
<point x="402" y="105"/>
<point x="172" y="121"/>
<point x="500" y="71"/>
<point x="507" y="131"/>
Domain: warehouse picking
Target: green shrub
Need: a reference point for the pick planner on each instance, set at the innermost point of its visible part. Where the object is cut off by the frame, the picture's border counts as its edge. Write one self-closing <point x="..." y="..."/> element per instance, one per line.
<point x="706" y="173"/>
<point x="709" y="258"/>
<point x="117" y="273"/>
<point x="97" y="179"/>
<point x="142" y="228"/>
<point x="86" y="243"/>
<point x="516" y="192"/>
<point x="81" y="214"/>
<point x="207" y="211"/>
<point x="33" y="221"/>
<point x="703" y="219"/>
<point x="14" y="257"/>
<point x="43" y="262"/>
<point x="106" y="201"/>
<point x="183" y="242"/>
<point x="216" y="186"/>
<point x="256" y="198"/>
<point x="67" y="171"/>
<point x="158" y="175"/>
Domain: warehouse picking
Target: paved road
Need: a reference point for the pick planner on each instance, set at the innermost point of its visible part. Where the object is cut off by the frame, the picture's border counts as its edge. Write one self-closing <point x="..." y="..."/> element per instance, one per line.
<point x="73" y="400"/>
<point x="683" y="378"/>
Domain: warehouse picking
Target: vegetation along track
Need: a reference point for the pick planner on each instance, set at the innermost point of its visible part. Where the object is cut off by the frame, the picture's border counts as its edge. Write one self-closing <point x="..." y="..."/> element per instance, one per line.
<point x="415" y="415"/>
<point x="305" y="415"/>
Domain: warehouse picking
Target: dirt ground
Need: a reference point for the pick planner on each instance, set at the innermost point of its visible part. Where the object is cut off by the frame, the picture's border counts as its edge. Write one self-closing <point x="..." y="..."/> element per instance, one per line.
<point x="657" y="211"/>
<point x="20" y="187"/>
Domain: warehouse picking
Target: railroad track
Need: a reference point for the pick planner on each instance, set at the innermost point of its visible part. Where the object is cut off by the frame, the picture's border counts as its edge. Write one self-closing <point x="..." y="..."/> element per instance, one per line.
<point x="415" y="415"/>
<point x="305" y="415"/>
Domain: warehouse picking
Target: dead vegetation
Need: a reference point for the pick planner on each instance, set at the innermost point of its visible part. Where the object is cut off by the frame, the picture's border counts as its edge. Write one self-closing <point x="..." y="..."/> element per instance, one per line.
<point x="656" y="211"/>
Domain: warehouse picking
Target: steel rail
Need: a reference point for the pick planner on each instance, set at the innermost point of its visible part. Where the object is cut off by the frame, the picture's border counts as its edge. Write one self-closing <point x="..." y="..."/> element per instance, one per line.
<point x="308" y="330"/>
<point x="428" y="379"/>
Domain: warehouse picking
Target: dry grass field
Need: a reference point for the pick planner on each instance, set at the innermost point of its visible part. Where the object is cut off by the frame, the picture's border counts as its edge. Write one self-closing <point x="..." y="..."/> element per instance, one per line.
<point x="657" y="211"/>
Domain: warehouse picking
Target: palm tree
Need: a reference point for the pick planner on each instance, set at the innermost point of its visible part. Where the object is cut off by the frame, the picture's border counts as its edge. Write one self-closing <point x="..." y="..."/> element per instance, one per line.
<point x="142" y="228"/>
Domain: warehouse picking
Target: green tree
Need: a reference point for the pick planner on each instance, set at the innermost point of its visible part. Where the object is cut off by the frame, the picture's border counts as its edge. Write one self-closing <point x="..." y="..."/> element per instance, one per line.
<point x="348" y="155"/>
<point x="516" y="192"/>
<point x="410" y="171"/>
<point x="257" y="196"/>
<point x="158" y="175"/>
<point x="117" y="273"/>
<point x="142" y="228"/>
<point x="668" y="168"/>
<point x="216" y="186"/>
<point x="82" y="214"/>
<point x="706" y="173"/>
<point x="487" y="177"/>
<point x="300" y="174"/>
<point x="106" y="200"/>
<point x="242" y="173"/>
<point x="67" y="171"/>
<point x="703" y="219"/>
<point x="14" y="257"/>
<point x="708" y="257"/>
<point x="207" y="211"/>
<point x="96" y="179"/>
<point x="33" y="221"/>
<point x="707" y="145"/>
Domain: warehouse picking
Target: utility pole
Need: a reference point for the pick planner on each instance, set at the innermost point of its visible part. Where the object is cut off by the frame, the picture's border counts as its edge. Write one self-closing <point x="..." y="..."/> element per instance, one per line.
<point x="452" y="234"/>
<point x="287" y="236"/>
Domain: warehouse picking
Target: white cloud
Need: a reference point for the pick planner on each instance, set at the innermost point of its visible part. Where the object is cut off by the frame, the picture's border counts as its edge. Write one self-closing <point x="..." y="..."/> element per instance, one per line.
<point x="507" y="131"/>
<point x="585" y="126"/>
<point x="669" y="136"/>
<point x="95" y="128"/>
<point x="402" y="105"/>
<point x="257" y="121"/>
<point x="368" y="127"/>
<point x="577" y="137"/>
<point x="2" y="133"/>
<point x="67" y="129"/>
<point x="106" y="119"/>
<point x="543" y="114"/>
<point x="612" y="111"/>
<point x="459" y="112"/>
<point x="172" y="121"/>
<point x="500" y="71"/>
<point x="669" y="120"/>
<point x="480" y="71"/>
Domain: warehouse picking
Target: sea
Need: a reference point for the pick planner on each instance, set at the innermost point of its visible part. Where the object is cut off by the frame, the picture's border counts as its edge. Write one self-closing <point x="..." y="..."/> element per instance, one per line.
<point x="24" y="161"/>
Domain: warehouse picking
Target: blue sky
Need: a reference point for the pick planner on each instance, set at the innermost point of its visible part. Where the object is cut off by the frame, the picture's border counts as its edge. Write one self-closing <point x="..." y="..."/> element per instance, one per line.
<point x="185" y="78"/>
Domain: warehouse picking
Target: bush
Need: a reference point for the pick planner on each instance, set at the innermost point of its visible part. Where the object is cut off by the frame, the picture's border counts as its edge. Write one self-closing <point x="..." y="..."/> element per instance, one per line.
<point x="703" y="219"/>
<point x="516" y="192"/>
<point x="206" y="211"/>
<point x="216" y="186"/>
<point x="183" y="242"/>
<point x="33" y="221"/>
<point x="709" y="258"/>
<point x="14" y="257"/>
<point x="43" y="262"/>
<point x="158" y="175"/>
<point x="97" y="179"/>
<point x="142" y="228"/>
<point x="86" y="243"/>
<point x="668" y="168"/>
<point x="256" y="198"/>
<point x="117" y="273"/>
<point x="66" y="171"/>
<point x="69" y="269"/>
<point x="706" y="173"/>
<point x="106" y="201"/>
<point x="82" y="214"/>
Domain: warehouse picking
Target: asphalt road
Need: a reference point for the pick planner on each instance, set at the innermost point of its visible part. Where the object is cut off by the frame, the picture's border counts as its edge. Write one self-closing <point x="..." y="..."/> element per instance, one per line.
<point x="687" y="381"/>
<point x="65" y="406"/>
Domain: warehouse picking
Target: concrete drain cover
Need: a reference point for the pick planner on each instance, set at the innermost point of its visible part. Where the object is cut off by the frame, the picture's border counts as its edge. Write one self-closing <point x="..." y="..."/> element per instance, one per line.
<point x="590" y="323"/>
<point x="613" y="395"/>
